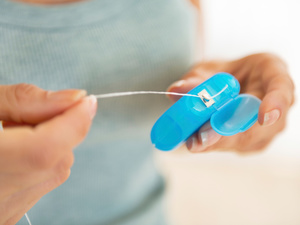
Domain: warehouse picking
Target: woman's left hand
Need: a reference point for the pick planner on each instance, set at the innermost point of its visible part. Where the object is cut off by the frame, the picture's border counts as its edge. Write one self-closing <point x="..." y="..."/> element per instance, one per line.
<point x="263" y="75"/>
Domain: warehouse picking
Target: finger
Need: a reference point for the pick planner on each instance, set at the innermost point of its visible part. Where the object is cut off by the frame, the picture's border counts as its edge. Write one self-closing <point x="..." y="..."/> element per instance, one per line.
<point x="25" y="103"/>
<point x="279" y="94"/>
<point x="11" y="183"/>
<point x="192" y="79"/>
<point x="183" y="86"/>
<point x="203" y="138"/>
<point x="18" y="204"/>
<point x="43" y="146"/>
<point x="270" y="81"/>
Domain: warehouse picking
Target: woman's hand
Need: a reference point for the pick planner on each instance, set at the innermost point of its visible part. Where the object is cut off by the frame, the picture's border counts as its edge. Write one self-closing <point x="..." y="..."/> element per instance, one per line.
<point x="263" y="75"/>
<point x="36" y="146"/>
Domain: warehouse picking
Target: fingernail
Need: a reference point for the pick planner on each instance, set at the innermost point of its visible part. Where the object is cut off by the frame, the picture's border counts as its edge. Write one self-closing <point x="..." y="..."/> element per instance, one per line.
<point x="208" y="138"/>
<point x="66" y="95"/>
<point x="271" y="117"/>
<point x="80" y="94"/>
<point x="92" y="105"/>
<point x="191" y="143"/>
<point x="204" y="138"/>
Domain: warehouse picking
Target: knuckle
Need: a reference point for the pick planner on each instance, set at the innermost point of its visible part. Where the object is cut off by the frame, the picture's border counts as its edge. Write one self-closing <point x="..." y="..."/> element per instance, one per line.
<point x="283" y="81"/>
<point x="286" y="100"/>
<point x="267" y="57"/>
<point x="43" y="157"/>
<point x="17" y="96"/>
<point x="270" y="61"/>
<point x="283" y="86"/>
<point x="66" y="163"/>
<point x="23" y="92"/>
<point x="282" y="99"/>
<point x="287" y="80"/>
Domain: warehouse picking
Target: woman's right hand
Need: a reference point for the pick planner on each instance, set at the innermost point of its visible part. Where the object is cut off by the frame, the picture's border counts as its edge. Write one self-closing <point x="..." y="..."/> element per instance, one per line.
<point x="36" y="146"/>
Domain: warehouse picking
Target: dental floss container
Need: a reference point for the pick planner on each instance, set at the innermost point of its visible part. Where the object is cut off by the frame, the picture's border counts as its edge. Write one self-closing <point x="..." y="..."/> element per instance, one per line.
<point x="229" y="113"/>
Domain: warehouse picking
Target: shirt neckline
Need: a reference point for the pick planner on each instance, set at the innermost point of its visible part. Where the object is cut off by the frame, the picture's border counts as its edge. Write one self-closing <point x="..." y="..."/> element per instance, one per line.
<point x="60" y="16"/>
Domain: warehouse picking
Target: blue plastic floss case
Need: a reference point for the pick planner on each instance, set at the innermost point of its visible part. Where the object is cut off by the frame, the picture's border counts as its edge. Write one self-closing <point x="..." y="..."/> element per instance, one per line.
<point x="229" y="113"/>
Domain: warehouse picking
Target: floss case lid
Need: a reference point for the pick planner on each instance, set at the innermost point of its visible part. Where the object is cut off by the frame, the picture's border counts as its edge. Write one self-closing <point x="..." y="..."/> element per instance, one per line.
<point x="229" y="113"/>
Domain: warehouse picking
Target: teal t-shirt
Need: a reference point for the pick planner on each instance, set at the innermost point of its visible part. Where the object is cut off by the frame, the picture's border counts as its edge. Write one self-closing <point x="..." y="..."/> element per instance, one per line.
<point x="103" y="46"/>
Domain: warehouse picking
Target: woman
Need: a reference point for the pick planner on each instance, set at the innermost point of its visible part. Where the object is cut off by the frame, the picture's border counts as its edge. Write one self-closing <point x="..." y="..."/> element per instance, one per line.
<point x="101" y="47"/>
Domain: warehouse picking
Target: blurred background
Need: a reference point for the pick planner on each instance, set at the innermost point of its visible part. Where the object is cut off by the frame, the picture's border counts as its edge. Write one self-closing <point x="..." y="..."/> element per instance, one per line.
<point x="225" y="188"/>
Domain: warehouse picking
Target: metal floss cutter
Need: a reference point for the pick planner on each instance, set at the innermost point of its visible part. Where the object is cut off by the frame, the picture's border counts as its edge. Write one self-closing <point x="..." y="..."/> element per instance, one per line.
<point x="229" y="113"/>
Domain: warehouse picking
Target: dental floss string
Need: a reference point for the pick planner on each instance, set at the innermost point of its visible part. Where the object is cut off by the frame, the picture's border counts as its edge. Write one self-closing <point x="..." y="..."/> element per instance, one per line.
<point x="220" y="92"/>
<point x="121" y="94"/>
<point x="28" y="220"/>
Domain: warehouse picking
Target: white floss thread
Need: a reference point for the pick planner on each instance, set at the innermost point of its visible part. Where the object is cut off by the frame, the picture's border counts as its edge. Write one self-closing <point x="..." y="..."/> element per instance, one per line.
<point x="121" y="94"/>
<point x="220" y="92"/>
<point x="28" y="220"/>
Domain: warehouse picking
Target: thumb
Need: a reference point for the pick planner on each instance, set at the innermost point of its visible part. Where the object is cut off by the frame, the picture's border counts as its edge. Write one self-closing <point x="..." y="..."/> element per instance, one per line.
<point x="192" y="79"/>
<point x="197" y="75"/>
<point x="29" y="104"/>
<point x="183" y="86"/>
